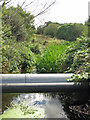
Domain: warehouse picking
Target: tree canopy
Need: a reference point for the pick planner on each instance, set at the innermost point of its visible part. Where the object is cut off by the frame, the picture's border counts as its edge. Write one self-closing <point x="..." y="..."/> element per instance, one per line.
<point x="71" y="31"/>
<point x="17" y="23"/>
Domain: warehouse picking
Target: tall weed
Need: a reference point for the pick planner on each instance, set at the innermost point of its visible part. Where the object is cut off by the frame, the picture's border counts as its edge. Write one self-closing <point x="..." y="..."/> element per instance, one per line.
<point x="53" y="59"/>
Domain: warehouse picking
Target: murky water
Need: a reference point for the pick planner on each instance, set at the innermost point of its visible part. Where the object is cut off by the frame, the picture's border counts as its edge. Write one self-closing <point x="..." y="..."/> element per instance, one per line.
<point x="51" y="106"/>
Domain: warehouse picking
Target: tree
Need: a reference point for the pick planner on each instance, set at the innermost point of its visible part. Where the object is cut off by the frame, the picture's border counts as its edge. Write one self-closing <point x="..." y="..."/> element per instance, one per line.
<point x="39" y="7"/>
<point x="71" y="31"/>
<point x="47" y="23"/>
<point x="40" y="29"/>
<point x="51" y="29"/>
<point x="19" y="22"/>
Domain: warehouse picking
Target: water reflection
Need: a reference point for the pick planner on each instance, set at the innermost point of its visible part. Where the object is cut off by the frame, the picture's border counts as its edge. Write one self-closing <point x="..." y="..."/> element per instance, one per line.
<point x="52" y="105"/>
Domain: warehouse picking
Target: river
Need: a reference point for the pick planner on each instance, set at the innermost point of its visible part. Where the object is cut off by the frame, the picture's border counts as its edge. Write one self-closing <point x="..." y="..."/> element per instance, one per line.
<point x="50" y="105"/>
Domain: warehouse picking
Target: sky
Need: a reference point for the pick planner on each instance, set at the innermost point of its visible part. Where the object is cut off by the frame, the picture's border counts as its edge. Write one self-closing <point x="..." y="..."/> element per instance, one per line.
<point x="63" y="11"/>
<point x="69" y="11"/>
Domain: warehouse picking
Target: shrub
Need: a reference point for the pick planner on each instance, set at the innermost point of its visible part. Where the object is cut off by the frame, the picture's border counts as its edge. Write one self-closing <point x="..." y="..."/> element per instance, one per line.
<point x="33" y="40"/>
<point x="35" y="49"/>
<point x="17" y="59"/>
<point x="78" y="56"/>
<point x="29" y="60"/>
<point x="40" y="29"/>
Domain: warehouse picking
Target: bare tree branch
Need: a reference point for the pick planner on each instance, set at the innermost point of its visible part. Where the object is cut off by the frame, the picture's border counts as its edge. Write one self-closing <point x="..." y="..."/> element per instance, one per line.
<point x="4" y="2"/>
<point x="23" y="3"/>
<point x="43" y="11"/>
<point x="28" y="4"/>
<point x="38" y="7"/>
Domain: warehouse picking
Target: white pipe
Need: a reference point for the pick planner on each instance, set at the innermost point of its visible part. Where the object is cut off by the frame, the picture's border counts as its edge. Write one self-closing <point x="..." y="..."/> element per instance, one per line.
<point x="13" y="83"/>
<point x="34" y="78"/>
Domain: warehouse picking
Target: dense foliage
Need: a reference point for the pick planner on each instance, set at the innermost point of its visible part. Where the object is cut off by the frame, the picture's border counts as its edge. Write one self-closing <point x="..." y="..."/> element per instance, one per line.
<point x="17" y="23"/>
<point x="40" y="29"/>
<point x="49" y="28"/>
<point x="17" y="29"/>
<point x="71" y="31"/>
<point x="24" y="52"/>
<point x="65" y="57"/>
<point x="78" y="55"/>
<point x="17" y="58"/>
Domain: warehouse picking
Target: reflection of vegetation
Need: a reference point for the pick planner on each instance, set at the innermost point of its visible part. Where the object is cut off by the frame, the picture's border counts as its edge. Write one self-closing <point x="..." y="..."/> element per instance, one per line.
<point x="17" y="112"/>
<point x="76" y="105"/>
<point x="26" y="110"/>
<point x="23" y="111"/>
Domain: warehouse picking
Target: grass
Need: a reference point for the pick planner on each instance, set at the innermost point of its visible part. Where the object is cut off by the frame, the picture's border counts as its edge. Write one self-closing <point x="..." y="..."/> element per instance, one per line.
<point x="52" y="60"/>
<point x="40" y="39"/>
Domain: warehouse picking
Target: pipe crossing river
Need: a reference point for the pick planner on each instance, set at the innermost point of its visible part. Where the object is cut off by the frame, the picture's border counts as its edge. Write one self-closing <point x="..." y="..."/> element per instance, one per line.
<point x="34" y="78"/>
<point x="16" y="83"/>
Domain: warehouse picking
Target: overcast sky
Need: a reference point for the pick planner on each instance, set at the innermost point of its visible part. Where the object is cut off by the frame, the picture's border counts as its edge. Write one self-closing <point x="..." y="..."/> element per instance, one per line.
<point x="64" y="11"/>
<point x="70" y="11"/>
<point x="67" y="11"/>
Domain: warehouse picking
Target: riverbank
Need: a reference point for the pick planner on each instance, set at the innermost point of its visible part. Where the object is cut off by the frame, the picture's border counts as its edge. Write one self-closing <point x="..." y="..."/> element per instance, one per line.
<point x="76" y="109"/>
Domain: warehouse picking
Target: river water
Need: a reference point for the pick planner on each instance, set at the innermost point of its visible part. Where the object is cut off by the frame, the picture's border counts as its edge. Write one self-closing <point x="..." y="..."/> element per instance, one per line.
<point x="51" y="105"/>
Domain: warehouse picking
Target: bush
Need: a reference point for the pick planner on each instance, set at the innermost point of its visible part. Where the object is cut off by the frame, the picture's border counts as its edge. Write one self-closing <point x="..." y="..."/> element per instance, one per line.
<point x="17" y="59"/>
<point x="35" y="49"/>
<point x="71" y="31"/>
<point x="78" y="56"/>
